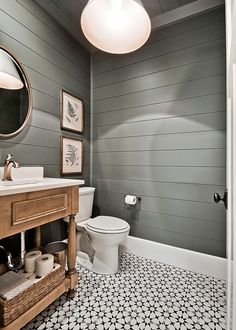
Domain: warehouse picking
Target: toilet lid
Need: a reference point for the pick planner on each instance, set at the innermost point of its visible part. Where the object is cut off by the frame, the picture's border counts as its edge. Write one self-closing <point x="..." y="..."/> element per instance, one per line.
<point x="108" y="224"/>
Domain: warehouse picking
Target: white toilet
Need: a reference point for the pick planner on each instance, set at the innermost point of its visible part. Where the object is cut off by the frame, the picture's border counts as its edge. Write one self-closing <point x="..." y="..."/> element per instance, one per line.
<point x="105" y="234"/>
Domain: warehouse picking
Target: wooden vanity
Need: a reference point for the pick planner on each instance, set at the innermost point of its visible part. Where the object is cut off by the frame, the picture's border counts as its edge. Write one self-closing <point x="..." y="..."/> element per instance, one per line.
<point x="26" y="207"/>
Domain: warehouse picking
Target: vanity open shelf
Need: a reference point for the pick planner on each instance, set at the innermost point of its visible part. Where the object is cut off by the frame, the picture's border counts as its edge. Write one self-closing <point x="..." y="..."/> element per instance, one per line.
<point x="24" y="207"/>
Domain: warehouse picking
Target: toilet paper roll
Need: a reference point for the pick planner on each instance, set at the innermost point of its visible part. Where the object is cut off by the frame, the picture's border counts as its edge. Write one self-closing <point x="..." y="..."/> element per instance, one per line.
<point x="130" y="200"/>
<point x="30" y="259"/>
<point x="44" y="265"/>
<point x="34" y="278"/>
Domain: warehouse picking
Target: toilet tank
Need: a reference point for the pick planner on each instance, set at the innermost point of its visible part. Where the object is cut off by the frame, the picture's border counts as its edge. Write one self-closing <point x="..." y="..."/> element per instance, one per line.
<point x="86" y="195"/>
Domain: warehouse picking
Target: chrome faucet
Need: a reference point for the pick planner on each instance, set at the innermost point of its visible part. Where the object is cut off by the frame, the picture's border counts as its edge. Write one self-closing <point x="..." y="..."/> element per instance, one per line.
<point x="8" y="164"/>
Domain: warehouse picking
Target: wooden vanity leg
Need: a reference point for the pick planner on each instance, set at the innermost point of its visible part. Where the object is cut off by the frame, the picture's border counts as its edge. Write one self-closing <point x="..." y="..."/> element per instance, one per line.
<point x="71" y="256"/>
<point x="37" y="237"/>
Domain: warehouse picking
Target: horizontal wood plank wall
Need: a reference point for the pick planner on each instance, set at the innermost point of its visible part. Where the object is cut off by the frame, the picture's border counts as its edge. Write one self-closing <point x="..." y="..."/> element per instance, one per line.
<point x="159" y="133"/>
<point x="52" y="60"/>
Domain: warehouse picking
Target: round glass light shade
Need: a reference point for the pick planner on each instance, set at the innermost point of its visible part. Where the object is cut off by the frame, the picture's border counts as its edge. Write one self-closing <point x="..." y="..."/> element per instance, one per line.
<point x="9" y="77"/>
<point x="116" y="26"/>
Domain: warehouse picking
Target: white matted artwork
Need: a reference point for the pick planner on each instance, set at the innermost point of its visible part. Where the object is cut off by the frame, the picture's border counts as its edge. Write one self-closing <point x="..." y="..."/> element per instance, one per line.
<point x="71" y="112"/>
<point x="71" y="155"/>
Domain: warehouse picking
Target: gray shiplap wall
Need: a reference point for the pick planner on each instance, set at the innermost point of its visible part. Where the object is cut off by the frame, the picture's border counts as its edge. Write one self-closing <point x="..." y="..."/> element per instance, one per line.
<point x="159" y="132"/>
<point x="53" y="60"/>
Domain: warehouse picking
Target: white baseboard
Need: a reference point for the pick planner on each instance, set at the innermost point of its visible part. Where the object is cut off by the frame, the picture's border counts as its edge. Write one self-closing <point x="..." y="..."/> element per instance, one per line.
<point x="190" y="260"/>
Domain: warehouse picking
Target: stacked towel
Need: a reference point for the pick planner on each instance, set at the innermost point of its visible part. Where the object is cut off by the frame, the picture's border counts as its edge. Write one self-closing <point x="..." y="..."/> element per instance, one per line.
<point x="11" y="284"/>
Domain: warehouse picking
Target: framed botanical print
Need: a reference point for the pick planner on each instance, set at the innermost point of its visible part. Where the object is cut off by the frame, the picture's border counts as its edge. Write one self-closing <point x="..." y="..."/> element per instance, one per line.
<point x="71" y="155"/>
<point x="72" y="109"/>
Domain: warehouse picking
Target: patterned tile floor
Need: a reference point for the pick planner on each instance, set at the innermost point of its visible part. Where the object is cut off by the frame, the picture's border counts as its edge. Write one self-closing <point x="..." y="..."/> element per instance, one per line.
<point x="143" y="295"/>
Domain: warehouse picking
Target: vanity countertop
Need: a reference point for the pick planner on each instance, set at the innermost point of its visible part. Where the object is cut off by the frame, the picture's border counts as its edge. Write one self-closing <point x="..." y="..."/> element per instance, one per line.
<point x="44" y="184"/>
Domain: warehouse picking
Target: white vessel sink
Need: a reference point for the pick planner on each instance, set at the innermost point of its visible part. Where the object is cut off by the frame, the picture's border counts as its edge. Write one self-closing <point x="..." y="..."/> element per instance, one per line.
<point x="23" y="175"/>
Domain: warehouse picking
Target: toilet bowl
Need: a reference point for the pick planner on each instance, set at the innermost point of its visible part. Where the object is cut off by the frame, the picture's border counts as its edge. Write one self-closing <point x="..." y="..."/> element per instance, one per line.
<point x="105" y="234"/>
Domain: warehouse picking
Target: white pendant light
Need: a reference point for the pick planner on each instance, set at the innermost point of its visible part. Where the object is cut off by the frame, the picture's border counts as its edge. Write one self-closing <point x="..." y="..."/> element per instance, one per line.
<point x="9" y="77"/>
<point x="116" y="26"/>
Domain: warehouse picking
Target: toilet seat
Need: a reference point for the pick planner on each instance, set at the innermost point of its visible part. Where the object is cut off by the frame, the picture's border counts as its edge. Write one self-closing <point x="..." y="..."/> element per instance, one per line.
<point x="107" y="225"/>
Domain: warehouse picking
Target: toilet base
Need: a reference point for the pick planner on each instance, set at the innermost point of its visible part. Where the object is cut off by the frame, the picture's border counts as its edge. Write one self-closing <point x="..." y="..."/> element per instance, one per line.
<point x="83" y="260"/>
<point x="104" y="262"/>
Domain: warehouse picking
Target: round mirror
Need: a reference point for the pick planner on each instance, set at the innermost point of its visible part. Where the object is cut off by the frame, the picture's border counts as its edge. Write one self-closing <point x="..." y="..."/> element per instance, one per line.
<point x="15" y="95"/>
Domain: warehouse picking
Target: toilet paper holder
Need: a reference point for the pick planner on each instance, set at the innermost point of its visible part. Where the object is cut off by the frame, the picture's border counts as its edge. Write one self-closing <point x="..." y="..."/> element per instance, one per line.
<point x="138" y="199"/>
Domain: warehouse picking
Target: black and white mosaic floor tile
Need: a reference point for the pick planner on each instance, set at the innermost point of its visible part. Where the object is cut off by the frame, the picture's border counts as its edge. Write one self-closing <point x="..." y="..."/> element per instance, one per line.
<point x="144" y="295"/>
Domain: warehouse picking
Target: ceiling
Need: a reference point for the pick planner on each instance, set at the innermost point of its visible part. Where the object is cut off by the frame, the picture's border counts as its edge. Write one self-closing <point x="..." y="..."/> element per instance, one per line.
<point x="67" y="13"/>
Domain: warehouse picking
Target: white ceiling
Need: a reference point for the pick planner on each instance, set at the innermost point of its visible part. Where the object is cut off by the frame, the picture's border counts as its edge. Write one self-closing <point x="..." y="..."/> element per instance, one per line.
<point x="67" y="13"/>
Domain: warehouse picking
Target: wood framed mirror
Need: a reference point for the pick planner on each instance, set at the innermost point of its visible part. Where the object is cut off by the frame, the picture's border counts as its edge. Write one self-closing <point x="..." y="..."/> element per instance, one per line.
<point x="15" y="95"/>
